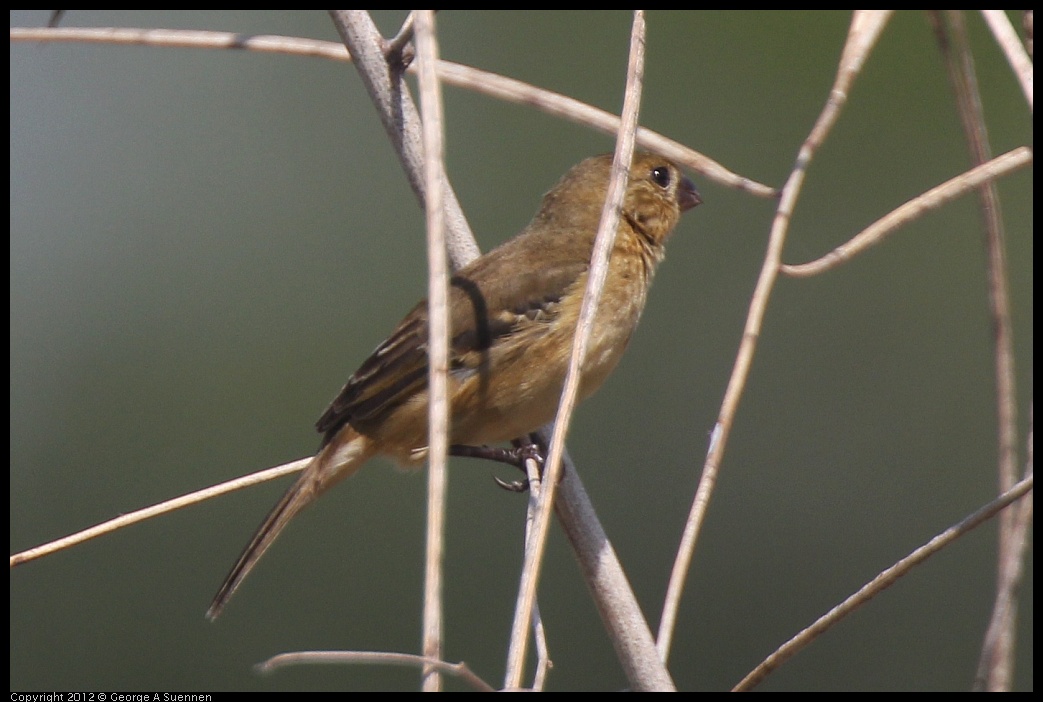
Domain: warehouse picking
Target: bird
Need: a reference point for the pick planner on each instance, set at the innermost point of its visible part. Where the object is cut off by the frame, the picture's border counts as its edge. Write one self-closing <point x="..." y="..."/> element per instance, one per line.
<point x="513" y="314"/>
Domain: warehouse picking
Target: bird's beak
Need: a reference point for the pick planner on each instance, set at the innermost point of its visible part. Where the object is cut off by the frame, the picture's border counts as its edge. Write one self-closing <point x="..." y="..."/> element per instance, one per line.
<point x="687" y="196"/>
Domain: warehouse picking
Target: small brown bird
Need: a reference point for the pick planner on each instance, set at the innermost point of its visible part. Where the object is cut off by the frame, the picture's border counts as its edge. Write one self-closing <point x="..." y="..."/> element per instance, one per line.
<point x="513" y="315"/>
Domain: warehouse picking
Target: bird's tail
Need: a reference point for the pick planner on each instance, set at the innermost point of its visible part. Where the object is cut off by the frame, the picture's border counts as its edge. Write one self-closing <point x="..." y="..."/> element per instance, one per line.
<point x="340" y="458"/>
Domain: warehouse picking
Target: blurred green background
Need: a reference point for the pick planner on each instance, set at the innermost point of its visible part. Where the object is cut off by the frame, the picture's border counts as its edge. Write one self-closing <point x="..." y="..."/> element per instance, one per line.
<point x="205" y="244"/>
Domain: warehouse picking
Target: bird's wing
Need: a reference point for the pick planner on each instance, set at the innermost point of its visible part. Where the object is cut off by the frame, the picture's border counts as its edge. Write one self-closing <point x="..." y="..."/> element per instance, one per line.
<point x="487" y="304"/>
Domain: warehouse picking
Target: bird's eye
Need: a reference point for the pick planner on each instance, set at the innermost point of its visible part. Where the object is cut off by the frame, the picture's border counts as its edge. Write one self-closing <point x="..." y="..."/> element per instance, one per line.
<point x="661" y="175"/>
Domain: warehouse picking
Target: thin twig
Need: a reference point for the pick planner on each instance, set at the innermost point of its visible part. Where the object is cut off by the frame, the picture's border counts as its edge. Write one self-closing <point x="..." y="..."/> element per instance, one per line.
<point x="536" y="543"/>
<point x="1004" y="611"/>
<point x="880" y="583"/>
<point x="655" y="677"/>
<point x="539" y="634"/>
<point x="933" y="199"/>
<point x="1019" y="60"/>
<point x="460" y="670"/>
<point x="455" y="74"/>
<point x="951" y="31"/>
<point x="573" y="110"/>
<point x="866" y="26"/>
<point x="156" y="510"/>
<point x="395" y="48"/>
<point x="438" y="333"/>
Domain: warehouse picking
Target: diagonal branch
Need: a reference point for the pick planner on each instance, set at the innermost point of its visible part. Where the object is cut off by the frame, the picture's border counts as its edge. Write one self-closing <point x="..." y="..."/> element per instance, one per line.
<point x="865" y="29"/>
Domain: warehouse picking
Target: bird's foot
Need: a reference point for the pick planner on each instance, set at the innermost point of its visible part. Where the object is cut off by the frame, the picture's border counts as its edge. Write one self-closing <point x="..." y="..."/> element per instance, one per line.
<point x="516" y="457"/>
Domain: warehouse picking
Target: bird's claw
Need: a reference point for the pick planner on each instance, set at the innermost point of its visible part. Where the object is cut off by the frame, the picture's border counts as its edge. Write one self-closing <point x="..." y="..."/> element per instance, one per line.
<point x="513" y="485"/>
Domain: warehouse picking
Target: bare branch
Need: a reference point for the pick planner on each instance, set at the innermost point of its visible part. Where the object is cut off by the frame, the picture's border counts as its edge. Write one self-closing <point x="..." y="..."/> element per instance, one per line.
<point x="438" y="369"/>
<point x="455" y="74"/>
<point x="653" y="675"/>
<point x="156" y="510"/>
<point x="881" y="583"/>
<point x="917" y="207"/>
<point x="460" y="670"/>
<point x="866" y="26"/>
<point x="1017" y="57"/>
